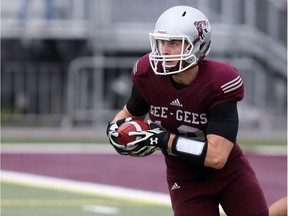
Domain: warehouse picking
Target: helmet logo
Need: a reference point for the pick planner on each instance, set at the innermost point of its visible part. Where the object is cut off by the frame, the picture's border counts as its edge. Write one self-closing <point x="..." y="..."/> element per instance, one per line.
<point x="202" y="28"/>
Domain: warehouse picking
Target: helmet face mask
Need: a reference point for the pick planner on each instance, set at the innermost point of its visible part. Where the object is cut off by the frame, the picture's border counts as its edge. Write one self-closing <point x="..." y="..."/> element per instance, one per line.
<point x="184" y="24"/>
<point x="184" y="59"/>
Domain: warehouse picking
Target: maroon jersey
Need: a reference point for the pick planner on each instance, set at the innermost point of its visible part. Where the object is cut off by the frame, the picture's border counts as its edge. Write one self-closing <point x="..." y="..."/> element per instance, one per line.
<point x="185" y="111"/>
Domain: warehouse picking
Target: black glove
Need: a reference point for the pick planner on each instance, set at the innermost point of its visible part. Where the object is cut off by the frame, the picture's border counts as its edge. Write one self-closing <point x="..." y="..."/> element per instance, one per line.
<point x="153" y="139"/>
<point x="112" y="133"/>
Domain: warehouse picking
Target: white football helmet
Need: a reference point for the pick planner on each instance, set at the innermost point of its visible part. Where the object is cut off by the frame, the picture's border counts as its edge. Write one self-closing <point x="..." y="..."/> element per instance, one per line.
<point x="188" y="25"/>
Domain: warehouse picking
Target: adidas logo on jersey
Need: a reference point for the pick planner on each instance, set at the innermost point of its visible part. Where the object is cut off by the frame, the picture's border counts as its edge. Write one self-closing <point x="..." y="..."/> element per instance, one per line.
<point x="175" y="186"/>
<point x="176" y="103"/>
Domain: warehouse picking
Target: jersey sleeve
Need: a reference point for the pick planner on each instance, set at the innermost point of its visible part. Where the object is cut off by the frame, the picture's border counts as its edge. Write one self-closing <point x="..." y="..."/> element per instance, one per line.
<point x="228" y="86"/>
<point x="136" y="104"/>
<point x="140" y="70"/>
<point x="224" y="121"/>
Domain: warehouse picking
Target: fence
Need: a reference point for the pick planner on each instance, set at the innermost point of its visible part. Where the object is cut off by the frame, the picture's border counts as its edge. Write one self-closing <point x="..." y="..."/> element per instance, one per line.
<point x="95" y="88"/>
<point x="94" y="84"/>
<point x="45" y="94"/>
<point x="32" y="92"/>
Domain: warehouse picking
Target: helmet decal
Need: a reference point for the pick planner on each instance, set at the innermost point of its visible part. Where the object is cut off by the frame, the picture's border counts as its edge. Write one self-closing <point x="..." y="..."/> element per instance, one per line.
<point x="162" y="31"/>
<point x="202" y="28"/>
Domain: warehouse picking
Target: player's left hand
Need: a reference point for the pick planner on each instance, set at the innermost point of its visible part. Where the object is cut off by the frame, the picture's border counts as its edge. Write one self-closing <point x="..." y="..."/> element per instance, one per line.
<point x="144" y="151"/>
<point x="112" y="134"/>
<point x="152" y="139"/>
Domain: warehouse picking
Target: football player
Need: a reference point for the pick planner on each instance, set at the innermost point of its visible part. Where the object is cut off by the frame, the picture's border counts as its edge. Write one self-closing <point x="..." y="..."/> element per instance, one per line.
<point x="192" y="104"/>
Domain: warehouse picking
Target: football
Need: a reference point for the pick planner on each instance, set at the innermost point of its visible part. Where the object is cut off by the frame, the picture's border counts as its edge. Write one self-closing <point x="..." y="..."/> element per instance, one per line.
<point x="124" y="138"/>
<point x="127" y="127"/>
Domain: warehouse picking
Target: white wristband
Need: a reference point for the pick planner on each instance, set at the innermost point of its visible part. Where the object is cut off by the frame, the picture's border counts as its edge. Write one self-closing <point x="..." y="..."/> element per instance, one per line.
<point x="190" y="146"/>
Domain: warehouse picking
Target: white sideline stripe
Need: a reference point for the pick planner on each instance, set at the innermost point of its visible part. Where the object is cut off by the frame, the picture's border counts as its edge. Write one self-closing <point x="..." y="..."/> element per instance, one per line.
<point x="78" y="148"/>
<point x="57" y="148"/>
<point x="86" y="188"/>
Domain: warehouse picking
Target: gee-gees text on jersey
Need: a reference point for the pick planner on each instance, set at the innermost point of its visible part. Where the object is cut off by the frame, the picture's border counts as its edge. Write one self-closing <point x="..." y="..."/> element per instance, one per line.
<point x="180" y="115"/>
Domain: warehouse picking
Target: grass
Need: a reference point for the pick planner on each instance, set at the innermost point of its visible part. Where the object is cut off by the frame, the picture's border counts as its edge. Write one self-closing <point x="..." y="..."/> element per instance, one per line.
<point x="263" y="142"/>
<point x="21" y="200"/>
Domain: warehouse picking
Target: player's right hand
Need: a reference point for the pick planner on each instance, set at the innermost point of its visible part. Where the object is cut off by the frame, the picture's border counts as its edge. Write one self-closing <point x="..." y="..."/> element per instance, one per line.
<point x="154" y="137"/>
<point x="112" y="134"/>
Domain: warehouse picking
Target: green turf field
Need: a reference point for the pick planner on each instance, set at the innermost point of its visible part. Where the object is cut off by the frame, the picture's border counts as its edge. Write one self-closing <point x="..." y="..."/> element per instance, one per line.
<point x="21" y="200"/>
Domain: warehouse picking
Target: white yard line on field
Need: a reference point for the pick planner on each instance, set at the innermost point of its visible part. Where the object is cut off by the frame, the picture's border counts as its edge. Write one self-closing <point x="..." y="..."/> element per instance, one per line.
<point x="86" y="188"/>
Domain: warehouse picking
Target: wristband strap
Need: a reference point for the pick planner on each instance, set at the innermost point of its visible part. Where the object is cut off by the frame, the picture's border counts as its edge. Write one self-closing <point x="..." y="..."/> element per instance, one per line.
<point x="191" y="149"/>
<point x="164" y="137"/>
